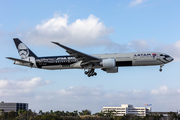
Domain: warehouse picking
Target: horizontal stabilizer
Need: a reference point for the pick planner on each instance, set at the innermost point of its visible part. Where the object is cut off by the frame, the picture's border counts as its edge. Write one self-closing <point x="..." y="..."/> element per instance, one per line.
<point x="19" y="60"/>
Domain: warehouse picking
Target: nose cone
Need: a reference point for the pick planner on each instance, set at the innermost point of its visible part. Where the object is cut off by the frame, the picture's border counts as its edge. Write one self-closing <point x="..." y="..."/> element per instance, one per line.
<point x="172" y="59"/>
<point x="169" y="59"/>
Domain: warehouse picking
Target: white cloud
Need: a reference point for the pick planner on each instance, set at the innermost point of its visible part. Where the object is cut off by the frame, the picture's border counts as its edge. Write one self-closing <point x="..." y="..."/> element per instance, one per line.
<point x="10" y="87"/>
<point x="164" y="90"/>
<point x="160" y="90"/>
<point x="80" y="90"/>
<point x="82" y="32"/>
<point x="92" y="98"/>
<point x="172" y="49"/>
<point x="12" y="70"/>
<point x="136" y="2"/>
<point x="139" y="45"/>
<point x="91" y="32"/>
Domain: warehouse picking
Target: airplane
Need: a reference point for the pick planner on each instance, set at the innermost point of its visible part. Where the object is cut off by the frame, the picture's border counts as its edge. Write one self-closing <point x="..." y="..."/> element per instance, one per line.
<point x="79" y="60"/>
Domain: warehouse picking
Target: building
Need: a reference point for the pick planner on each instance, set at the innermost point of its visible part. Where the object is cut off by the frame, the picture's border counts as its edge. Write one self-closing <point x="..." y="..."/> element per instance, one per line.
<point x="7" y="107"/>
<point x="128" y="109"/>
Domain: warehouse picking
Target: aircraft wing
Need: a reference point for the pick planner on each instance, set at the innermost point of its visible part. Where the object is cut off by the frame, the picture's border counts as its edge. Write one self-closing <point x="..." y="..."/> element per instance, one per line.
<point x="19" y="60"/>
<point x="79" y="55"/>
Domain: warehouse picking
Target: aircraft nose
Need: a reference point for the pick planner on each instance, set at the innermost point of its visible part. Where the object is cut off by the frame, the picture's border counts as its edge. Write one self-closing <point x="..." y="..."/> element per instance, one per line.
<point x="169" y="59"/>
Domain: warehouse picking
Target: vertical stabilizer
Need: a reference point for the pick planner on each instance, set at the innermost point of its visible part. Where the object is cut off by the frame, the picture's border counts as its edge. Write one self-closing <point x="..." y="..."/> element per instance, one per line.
<point x="24" y="52"/>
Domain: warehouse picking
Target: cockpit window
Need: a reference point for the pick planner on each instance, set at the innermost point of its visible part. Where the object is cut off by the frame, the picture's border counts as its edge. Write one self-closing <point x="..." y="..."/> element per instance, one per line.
<point x="167" y="56"/>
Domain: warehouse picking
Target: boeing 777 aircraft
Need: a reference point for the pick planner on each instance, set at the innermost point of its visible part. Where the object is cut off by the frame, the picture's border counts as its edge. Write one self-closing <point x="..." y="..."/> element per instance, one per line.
<point x="80" y="60"/>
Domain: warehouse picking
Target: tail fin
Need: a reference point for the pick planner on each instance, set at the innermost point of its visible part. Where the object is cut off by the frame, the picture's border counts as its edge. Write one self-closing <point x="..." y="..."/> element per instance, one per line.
<point x="23" y="50"/>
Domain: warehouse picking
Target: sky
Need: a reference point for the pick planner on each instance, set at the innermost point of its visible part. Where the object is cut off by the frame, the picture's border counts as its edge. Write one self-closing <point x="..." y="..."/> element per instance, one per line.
<point x="92" y="27"/>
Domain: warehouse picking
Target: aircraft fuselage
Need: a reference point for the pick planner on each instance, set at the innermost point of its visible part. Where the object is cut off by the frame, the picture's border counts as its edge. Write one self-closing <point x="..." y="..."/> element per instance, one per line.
<point x="122" y="60"/>
<point x="80" y="60"/>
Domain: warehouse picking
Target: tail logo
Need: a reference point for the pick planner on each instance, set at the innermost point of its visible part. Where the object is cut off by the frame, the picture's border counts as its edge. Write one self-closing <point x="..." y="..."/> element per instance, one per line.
<point x="23" y="51"/>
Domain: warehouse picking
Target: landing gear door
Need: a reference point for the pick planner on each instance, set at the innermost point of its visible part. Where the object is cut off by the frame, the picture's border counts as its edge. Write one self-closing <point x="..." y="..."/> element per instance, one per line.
<point x="134" y="57"/>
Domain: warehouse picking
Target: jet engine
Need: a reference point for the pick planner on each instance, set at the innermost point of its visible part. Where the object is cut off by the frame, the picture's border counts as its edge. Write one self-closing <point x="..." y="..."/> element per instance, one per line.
<point x="108" y="63"/>
<point x="111" y="70"/>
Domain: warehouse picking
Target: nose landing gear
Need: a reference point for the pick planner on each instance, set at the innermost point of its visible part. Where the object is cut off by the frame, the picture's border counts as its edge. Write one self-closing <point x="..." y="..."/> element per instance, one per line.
<point x="161" y="67"/>
<point x="90" y="72"/>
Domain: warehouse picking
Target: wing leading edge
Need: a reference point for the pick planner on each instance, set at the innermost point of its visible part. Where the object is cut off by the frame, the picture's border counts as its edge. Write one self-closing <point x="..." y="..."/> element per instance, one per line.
<point x="79" y="55"/>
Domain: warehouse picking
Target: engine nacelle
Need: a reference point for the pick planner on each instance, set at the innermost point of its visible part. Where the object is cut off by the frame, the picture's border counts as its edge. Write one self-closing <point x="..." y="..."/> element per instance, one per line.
<point x="111" y="70"/>
<point x="108" y="63"/>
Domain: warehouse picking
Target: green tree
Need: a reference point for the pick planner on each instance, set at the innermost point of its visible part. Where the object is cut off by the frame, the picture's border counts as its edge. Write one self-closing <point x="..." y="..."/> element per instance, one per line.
<point x="62" y="113"/>
<point x="31" y="114"/>
<point x="4" y="115"/>
<point x="100" y="114"/>
<point x="58" y="113"/>
<point x="130" y="117"/>
<point x="109" y="113"/>
<point x="46" y="117"/>
<point x="173" y="115"/>
<point x="12" y="114"/>
<point x="51" y="112"/>
<point x="161" y="116"/>
<point x="85" y="112"/>
<point x="22" y="114"/>
<point x="75" y="113"/>
<point x="178" y="116"/>
<point x="67" y="113"/>
<point x="1" y="111"/>
<point x="41" y="112"/>
<point x="47" y="113"/>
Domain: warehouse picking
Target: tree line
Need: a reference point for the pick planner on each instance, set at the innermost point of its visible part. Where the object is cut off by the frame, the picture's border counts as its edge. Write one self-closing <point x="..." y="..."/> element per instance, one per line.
<point x="75" y="115"/>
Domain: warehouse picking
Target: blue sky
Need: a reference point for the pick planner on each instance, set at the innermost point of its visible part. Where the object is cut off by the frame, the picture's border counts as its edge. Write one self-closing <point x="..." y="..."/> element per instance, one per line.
<point x="93" y="27"/>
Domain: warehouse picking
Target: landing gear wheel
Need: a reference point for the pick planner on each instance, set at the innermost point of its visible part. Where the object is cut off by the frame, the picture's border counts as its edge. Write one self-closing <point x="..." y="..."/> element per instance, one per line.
<point x="95" y="73"/>
<point x="86" y="72"/>
<point x="160" y="70"/>
<point x="90" y="72"/>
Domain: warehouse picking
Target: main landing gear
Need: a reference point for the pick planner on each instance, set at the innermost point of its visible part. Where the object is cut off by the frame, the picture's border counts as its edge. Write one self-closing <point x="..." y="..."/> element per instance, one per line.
<point x="90" y="72"/>
<point x="161" y="67"/>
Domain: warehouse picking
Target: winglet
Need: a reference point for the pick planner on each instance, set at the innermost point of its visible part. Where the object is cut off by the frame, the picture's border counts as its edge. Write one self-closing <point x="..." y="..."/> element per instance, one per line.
<point x="55" y="43"/>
